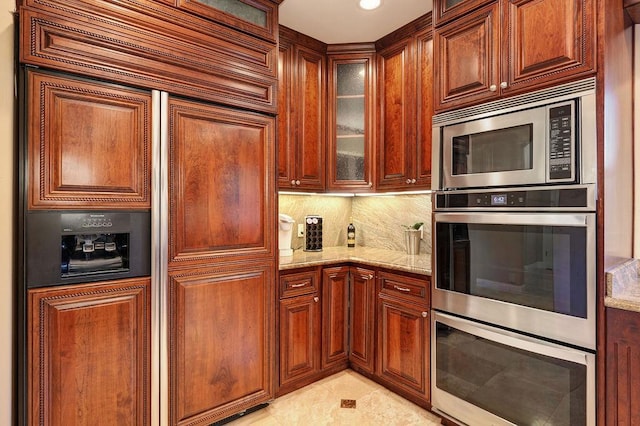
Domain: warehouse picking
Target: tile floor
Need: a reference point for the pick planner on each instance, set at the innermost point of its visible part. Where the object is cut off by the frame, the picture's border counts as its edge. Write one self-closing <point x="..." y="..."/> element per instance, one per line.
<point x="319" y="404"/>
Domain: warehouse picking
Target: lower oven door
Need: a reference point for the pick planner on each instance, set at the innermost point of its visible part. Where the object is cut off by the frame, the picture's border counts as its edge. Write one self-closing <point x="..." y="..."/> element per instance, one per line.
<point x="533" y="273"/>
<point x="482" y="375"/>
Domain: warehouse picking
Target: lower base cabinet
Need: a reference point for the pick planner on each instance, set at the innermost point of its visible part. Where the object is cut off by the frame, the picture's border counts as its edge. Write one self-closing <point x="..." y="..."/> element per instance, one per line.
<point x="622" y="367"/>
<point x="89" y="357"/>
<point x="403" y="357"/>
<point x="375" y="322"/>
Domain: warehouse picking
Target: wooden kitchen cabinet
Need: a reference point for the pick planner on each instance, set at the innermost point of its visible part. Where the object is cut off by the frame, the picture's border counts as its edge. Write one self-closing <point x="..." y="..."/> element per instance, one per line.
<point x="403" y="358"/>
<point x="622" y="367"/>
<point x="335" y="317"/>
<point x="89" y="357"/>
<point x="510" y="47"/>
<point x="351" y="117"/>
<point x="405" y="107"/>
<point x="301" y="112"/>
<point x="221" y="260"/>
<point x="89" y="144"/>
<point x="362" y="319"/>
<point x="221" y="341"/>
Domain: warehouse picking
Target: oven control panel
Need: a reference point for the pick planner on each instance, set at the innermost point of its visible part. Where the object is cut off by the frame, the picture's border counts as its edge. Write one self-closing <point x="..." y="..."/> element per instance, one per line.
<point x="561" y="137"/>
<point x="576" y="197"/>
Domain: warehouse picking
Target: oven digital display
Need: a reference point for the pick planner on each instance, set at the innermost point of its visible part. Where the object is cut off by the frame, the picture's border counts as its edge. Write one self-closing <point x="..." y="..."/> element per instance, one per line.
<point x="498" y="199"/>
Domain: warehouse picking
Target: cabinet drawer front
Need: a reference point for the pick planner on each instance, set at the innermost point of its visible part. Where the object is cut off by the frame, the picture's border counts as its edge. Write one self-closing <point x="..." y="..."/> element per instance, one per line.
<point x="399" y="285"/>
<point x="298" y="283"/>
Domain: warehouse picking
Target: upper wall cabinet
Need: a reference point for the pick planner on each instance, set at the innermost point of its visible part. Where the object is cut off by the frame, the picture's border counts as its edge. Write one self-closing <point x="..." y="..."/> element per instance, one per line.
<point x="253" y="16"/>
<point x="351" y="110"/>
<point x="301" y="112"/>
<point x="157" y="45"/>
<point x="405" y="107"/>
<point x="511" y="46"/>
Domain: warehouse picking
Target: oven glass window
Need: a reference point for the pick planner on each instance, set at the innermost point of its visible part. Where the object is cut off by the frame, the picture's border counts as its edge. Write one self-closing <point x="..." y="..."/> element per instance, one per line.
<point x="499" y="150"/>
<point x="542" y="267"/>
<point x="522" y="387"/>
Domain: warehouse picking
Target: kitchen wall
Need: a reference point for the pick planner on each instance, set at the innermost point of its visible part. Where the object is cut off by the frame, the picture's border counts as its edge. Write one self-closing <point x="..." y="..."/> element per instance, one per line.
<point x="378" y="220"/>
<point x="6" y="211"/>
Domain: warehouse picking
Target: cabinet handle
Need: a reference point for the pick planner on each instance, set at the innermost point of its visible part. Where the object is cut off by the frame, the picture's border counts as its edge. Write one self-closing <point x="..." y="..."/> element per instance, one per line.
<point x="370" y="276"/>
<point x="493" y="88"/>
<point x="424" y="314"/>
<point x="408" y="181"/>
<point x="503" y="85"/>
<point x="316" y="299"/>
<point x="297" y="182"/>
<point x="370" y="184"/>
<point x="293" y="182"/>
<point x="413" y="181"/>
<point x="298" y="285"/>
<point x="397" y="287"/>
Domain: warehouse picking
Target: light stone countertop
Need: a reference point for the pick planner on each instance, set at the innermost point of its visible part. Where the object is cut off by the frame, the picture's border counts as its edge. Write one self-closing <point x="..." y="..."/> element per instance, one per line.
<point x="623" y="286"/>
<point x="391" y="259"/>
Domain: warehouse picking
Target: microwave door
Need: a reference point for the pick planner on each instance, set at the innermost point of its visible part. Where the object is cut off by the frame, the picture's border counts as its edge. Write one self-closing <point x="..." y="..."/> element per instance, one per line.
<point x="496" y="151"/>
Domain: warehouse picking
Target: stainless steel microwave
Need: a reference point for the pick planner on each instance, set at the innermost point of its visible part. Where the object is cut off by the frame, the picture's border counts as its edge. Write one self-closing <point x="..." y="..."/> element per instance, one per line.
<point x="540" y="138"/>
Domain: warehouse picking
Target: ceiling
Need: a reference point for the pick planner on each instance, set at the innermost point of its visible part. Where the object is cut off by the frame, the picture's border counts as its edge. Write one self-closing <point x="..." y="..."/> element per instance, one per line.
<point x="342" y="21"/>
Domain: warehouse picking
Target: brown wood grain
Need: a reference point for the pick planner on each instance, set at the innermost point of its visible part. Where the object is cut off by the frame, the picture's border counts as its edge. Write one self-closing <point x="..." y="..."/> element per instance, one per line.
<point x="89" y="144"/>
<point x="221" y="187"/>
<point x="362" y="318"/>
<point x="623" y="367"/>
<point x="335" y="316"/>
<point x="89" y="354"/>
<point x="221" y="341"/>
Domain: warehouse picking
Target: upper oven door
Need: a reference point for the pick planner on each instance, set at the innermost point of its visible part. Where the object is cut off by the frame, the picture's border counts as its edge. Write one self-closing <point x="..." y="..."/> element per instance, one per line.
<point x="501" y="150"/>
<point x="529" y="272"/>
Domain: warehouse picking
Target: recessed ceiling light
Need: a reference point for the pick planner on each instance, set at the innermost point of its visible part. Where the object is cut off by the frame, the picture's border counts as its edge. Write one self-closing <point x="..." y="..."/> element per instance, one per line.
<point x="369" y="4"/>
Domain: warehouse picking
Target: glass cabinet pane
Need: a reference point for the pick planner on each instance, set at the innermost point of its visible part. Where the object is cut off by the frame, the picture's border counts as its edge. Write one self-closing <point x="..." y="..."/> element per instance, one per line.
<point x="350" y="111"/>
<point x="239" y="9"/>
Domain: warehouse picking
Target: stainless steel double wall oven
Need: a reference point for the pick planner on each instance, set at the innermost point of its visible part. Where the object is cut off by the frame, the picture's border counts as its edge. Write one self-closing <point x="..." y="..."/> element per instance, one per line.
<point x="514" y="275"/>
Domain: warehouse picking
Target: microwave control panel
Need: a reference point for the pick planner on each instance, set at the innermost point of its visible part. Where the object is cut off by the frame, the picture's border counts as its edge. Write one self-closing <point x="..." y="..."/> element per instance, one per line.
<point x="561" y="142"/>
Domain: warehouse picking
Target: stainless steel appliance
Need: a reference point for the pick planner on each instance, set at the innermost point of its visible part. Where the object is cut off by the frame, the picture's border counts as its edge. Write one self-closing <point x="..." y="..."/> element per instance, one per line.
<point x="524" y="270"/>
<point x="539" y="138"/>
<point x="514" y="270"/>
<point x="490" y="376"/>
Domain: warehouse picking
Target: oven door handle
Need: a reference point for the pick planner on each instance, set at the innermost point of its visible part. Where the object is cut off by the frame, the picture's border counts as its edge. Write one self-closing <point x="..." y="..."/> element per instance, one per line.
<point x="502" y="218"/>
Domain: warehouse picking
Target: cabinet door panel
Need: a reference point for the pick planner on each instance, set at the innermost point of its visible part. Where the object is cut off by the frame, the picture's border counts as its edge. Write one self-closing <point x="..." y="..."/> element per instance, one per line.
<point x="299" y="338"/>
<point x="335" y="315"/>
<point x="425" y="109"/>
<point x="623" y="367"/>
<point x="89" y="355"/>
<point x="466" y="52"/>
<point x="544" y="38"/>
<point x="221" y="163"/>
<point x="404" y="346"/>
<point x="396" y="114"/>
<point x="89" y="144"/>
<point x="220" y="341"/>
<point x="310" y="118"/>
<point x="286" y="148"/>
<point x="362" y="314"/>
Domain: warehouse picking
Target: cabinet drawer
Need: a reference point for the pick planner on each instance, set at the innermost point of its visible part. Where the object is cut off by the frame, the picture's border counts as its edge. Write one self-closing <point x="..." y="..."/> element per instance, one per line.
<point x="404" y="286"/>
<point x="297" y="283"/>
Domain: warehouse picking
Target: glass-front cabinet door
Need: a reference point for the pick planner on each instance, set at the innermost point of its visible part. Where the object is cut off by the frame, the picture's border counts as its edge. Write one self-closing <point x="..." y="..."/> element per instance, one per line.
<point x="350" y="121"/>
<point x="257" y="17"/>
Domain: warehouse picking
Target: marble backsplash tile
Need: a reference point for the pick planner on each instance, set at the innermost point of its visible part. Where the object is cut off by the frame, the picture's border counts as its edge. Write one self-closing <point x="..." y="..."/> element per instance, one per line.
<point x="378" y="220"/>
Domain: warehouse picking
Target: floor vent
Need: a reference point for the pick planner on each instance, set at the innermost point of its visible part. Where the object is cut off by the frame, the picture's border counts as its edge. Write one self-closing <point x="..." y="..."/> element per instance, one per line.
<point x="348" y="403"/>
